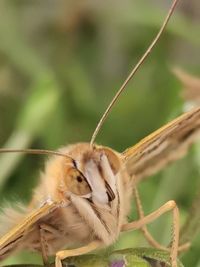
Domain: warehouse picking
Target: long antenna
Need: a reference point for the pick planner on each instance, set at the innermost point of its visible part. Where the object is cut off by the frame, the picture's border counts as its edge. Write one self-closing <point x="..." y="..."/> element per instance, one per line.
<point x="35" y="152"/>
<point x="142" y="59"/>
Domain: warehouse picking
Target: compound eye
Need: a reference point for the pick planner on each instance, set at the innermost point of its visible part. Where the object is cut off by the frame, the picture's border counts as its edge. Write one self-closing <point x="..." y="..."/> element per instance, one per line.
<point x="76" y="182"/>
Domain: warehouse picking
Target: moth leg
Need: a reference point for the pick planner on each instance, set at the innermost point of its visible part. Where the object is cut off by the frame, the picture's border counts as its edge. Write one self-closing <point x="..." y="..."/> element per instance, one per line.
<point x="63" y="254"/>
<point x="145" y="231"/>
<point x="43" y="244"/>
<point x="168" y="206"/>
<point x="44" y="228"/>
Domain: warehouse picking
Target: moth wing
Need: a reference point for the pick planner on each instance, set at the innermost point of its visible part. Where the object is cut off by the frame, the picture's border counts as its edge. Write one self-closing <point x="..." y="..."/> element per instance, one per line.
<point x="11" y="240"/>
<point x="163" y="146"/>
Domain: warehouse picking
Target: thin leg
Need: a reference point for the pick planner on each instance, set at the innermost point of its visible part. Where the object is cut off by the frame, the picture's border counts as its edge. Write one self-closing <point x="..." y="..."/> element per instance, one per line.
<point x="43" y="246"/>
<point x="145" y="231"/>
<point x="63" y="254"/>
<point x="44" y="228"/>
<point x="169" y="206"/>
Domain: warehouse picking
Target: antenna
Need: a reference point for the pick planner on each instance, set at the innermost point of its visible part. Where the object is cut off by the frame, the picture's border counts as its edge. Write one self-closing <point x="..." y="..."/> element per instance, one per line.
<point x="134" y="70"/>
<point x="35" y="152"/>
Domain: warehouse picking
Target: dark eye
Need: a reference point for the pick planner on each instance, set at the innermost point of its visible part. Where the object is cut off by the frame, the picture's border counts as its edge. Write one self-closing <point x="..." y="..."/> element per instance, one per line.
<point x="76" y="182"/>
<point x="79" y="179"/>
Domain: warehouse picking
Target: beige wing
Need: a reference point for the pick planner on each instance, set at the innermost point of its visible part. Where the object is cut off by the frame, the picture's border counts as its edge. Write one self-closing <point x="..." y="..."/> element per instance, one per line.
<point x="163" y="146"/>
<point x="10" y="241"/>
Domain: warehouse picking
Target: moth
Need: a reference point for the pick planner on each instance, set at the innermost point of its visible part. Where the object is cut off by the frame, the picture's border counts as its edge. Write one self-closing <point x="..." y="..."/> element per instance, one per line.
<point x="85" y="191"/>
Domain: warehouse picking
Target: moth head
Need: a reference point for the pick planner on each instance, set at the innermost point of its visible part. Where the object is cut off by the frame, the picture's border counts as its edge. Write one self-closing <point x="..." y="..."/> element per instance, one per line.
<point x="93" y="174"/>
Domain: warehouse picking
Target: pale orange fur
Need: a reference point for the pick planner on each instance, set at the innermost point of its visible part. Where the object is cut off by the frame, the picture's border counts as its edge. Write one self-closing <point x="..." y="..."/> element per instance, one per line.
<point x="75" y="223"/>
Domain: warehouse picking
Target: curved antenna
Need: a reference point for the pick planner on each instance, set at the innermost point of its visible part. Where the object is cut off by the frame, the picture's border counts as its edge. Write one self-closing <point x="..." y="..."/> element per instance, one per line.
<point x="142" y="59"/>
<point x="35" y="152"/>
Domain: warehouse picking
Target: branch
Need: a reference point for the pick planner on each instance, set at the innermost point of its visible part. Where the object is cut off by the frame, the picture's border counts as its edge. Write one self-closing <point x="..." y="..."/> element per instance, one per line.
<point x="138" y="257"/>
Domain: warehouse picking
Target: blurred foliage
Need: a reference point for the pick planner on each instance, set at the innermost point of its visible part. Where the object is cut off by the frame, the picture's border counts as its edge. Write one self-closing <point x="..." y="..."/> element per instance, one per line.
<point x="140" y="257"/>
<point x="60" y="64"/>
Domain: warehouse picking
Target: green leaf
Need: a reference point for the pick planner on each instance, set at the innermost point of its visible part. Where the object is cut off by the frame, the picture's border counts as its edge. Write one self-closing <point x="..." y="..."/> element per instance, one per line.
<point x="138" y="257"/>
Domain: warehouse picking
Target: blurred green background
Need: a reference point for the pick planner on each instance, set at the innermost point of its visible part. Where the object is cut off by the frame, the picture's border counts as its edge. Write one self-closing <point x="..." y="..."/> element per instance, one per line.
<point x="60" y="64"/>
